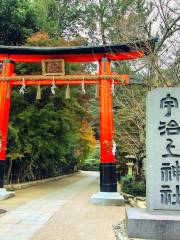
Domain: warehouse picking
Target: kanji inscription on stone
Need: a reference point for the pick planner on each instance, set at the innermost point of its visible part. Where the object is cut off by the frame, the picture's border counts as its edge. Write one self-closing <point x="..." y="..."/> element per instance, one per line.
<point x="163" y="149"/>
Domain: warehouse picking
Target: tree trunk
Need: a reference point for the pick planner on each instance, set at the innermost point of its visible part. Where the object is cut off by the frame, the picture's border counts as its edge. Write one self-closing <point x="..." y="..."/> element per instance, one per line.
<point x="9" y="170"/>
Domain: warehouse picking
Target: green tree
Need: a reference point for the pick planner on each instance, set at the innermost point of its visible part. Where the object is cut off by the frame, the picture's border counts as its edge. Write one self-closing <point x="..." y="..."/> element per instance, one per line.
<point x="45" y="136"/>
<point x="17" y="21"/>
<point x="60" y="18"/>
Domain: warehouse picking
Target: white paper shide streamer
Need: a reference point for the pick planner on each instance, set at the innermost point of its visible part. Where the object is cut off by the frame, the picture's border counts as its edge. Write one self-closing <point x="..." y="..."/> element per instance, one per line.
<point x="83" y="87"/>
<point x="23" y="87"/>
<point x="53" y="87"/>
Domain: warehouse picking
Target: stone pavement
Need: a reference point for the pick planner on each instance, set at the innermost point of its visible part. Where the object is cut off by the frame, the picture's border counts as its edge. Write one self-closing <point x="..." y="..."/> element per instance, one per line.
<point x="59" y="210"/>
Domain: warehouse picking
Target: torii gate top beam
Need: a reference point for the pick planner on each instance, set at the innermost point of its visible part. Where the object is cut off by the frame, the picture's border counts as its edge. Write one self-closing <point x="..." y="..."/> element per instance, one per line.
<point x="77" y="54"/>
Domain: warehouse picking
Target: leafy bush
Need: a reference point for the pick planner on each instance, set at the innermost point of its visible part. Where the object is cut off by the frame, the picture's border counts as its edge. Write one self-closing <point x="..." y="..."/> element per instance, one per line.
<point x="133" y="186"/>
<point x="91" y="165"/>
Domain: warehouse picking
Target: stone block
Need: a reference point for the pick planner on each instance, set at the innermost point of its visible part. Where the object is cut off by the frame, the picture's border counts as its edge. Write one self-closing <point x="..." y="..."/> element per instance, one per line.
<point x="163" y="150"/>
<point x="107" y="198"/>
<point x="141" y="224"/>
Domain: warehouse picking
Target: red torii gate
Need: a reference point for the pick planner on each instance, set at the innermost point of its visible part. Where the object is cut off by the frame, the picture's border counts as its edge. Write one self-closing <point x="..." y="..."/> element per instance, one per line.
<point x="103" y="55"/>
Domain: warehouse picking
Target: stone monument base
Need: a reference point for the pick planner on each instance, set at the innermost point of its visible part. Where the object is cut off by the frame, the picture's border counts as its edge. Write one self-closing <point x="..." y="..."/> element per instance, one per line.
<point x="141" y="224"/>
<point x="107" y="198"/>
<point x="4" y="194"/>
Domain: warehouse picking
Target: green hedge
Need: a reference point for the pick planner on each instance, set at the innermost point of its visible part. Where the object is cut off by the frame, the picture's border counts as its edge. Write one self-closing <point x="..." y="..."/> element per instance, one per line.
<point x="91" y="165"/>
<point x="132" y="186"/>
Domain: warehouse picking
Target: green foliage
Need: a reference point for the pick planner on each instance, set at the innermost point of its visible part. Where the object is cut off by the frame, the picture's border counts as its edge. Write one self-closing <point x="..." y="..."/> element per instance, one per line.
<point x="101" y="21"/>
<point x="60" y="18"/>
<point x="17" y="21"/>
<point x="132" y="186"/>
<point x="92" y="162"/>
<point x="46" y="134"/>
<point x="91" y="165"/>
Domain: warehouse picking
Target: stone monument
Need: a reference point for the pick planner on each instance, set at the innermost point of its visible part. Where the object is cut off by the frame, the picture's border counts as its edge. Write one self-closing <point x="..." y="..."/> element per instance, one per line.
<point x="161" y="219"/>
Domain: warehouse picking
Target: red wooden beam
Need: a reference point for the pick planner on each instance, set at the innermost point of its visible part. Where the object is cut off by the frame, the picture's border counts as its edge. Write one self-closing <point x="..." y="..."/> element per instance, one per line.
<point x="113" y="52"/>
<point x="73" y="57"/>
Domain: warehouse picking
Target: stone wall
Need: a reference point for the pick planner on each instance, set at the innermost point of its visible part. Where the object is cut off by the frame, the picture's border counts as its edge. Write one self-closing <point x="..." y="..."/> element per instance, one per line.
<point x="24" y="185"/>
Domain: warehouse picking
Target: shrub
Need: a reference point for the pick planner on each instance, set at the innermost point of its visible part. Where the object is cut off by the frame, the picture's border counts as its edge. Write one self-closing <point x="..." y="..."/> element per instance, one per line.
<point x="132" y="186"/>
<point x="91" y="165"/>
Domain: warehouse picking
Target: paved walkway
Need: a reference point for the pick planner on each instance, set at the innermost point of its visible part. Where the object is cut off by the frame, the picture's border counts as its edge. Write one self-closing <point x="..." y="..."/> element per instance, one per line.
<point x="59" y="210"/>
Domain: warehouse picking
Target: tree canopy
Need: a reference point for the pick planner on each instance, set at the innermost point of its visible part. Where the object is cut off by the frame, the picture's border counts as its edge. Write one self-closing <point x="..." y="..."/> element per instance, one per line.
<point x="17" y="21"/>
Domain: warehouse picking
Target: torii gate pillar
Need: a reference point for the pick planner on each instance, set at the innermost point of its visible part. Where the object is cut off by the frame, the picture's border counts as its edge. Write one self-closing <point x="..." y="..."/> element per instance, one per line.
<point x="108" y="194"/>
<point x="5" y="98"/>
<point x="108" y="181"/>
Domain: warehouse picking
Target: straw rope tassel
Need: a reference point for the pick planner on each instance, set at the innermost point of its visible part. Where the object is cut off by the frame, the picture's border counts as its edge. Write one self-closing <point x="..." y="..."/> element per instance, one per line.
<point x="38" y="94"/>
<point x="97" y="91"/>
<point x="67" y="92"/>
